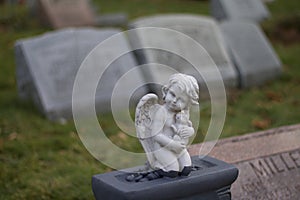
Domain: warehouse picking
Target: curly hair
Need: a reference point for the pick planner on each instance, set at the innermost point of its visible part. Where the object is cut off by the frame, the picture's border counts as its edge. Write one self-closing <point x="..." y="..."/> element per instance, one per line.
<point x="186" y="83"/>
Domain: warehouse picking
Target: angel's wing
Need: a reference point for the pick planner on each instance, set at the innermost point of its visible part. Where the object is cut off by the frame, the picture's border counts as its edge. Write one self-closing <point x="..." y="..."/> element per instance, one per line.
<point x="143" y="120"/>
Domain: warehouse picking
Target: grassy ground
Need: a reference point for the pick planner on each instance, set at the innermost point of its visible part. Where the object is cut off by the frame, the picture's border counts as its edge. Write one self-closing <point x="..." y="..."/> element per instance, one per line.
<point x="43" y="160"/>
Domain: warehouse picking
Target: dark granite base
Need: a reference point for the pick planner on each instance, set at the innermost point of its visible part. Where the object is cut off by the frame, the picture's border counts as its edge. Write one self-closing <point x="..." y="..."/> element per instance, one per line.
<point x="212" y="180"/>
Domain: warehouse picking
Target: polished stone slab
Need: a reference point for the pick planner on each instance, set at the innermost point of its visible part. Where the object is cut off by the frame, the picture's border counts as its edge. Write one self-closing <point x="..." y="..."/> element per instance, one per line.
<point x="268" y="163"/>
<point x="270" y="177"/>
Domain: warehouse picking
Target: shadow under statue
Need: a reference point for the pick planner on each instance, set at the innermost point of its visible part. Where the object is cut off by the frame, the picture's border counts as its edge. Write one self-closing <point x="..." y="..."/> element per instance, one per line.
<point x="164" y="132"/>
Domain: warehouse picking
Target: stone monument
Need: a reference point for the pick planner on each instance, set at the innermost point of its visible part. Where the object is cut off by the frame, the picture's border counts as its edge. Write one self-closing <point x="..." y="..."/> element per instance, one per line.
<point x="268" y="163"/>
<point x="74" y="13"/>
<point x="164" y="138"/>
<point x="177" y="40"/>
<point x="66" y="13"/>
<point x="170" y="173"/>
<point x="47" y="67"/>
<point x="250" y="10"/>
<point x="250" y="50"/>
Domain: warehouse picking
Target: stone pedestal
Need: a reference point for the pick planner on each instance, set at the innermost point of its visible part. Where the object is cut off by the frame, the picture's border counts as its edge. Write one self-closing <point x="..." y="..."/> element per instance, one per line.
<point x="212" y="180"/>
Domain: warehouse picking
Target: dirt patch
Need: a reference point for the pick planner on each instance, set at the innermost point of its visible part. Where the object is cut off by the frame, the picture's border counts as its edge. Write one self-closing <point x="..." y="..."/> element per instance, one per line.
<point x="286" y="30"/>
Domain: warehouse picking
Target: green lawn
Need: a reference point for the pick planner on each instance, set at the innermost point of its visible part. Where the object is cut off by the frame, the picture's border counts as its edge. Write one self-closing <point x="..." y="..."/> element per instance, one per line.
<point x="44" y="160"/>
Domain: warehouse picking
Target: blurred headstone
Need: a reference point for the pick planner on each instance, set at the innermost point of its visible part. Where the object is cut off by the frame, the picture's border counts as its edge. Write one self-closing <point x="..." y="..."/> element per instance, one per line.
<point x="252" y="10"/>
<point x="114" y="19"/>
<point x="66" y="13"/>
<point x="268" y="163"/>
<point x="73" y="13"/>
<point x="251" y="52"/>
<point x="47" y="66"/>
<point x="183" y="34"/>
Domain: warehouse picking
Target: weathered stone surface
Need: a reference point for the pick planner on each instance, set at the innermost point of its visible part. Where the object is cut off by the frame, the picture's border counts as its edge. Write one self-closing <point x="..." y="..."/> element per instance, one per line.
<point x="66" y="13"/>
<point x="249" y="146"/>
<point x="268" y="163"/>
<point x="47" y="66"/>
<point x="272" y="177"/>
<point x="251" y="52"/>
<point x="178" y="50"/>
<point x="252" y="10"/>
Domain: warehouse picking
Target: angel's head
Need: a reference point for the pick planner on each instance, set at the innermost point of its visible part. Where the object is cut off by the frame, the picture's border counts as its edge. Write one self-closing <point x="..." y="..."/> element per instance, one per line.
<point x="181" y="92"/>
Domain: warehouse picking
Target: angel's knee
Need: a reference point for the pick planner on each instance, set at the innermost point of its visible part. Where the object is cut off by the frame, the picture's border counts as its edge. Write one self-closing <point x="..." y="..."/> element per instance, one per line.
<point x="168" y="160"/>
<point x="184" y="160"/>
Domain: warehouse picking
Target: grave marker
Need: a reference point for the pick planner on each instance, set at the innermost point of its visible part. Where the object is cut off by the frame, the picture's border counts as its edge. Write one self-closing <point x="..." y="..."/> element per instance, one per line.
<point x="268" y="163"/>
<point x="199" y="30"/>
<point x="47" y="67"/>
<point x="251" y="52"/>
<point x="66" y="13"/>
<point x="252" y="10"/>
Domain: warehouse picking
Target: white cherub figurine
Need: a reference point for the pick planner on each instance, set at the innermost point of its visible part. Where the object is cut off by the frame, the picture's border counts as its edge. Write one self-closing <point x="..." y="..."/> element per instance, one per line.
<point x="164" y="130"/>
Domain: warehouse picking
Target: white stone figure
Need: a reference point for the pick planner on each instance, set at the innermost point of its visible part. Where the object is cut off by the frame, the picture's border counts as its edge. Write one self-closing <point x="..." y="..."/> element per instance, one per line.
<point x="164" y="130"/>
<point x="181" y="121"/>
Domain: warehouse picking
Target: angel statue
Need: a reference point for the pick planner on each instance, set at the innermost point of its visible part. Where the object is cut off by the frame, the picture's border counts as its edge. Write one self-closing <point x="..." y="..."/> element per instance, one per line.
<point x="164" y="130"/>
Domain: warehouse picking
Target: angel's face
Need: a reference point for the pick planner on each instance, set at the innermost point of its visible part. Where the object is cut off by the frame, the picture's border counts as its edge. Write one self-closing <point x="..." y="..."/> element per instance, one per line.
<point x="175" y="99"/>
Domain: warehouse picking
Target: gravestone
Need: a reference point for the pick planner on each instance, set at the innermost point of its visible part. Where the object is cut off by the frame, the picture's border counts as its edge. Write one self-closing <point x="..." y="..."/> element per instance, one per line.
<point x="47" y="67"/>
<point x="115" y="19"/>
<point x="66" y="13"/>
<point x="211" y="181"/>
<point x="251" y="52"/>
<point x="251" y="10"/>
<point x="268" y="163"/>
<point x="181" y="34"/>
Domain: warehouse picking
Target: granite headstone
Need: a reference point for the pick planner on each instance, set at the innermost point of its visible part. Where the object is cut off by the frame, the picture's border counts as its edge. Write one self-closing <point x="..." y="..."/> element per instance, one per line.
<point x="201" y="30"/>
<point x="268" y="163"/>
<point x="251" y="52"/>
<point x="66" y="13"/>
<point x="251" y="10"/>
<point x="47" y="67"/>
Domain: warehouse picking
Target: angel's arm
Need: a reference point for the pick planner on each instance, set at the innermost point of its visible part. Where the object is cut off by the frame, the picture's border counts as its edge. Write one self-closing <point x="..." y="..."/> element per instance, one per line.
<point x="160" y="138"/>
<point x="172" y="145"/>
<point x="163" y="140"/>
<point x="174" y="128"/>
<point x="186" y="132"/>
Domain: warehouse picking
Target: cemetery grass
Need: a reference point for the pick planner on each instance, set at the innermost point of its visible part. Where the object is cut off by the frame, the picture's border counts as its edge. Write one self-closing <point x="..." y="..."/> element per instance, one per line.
<point x="46" y="160"/>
